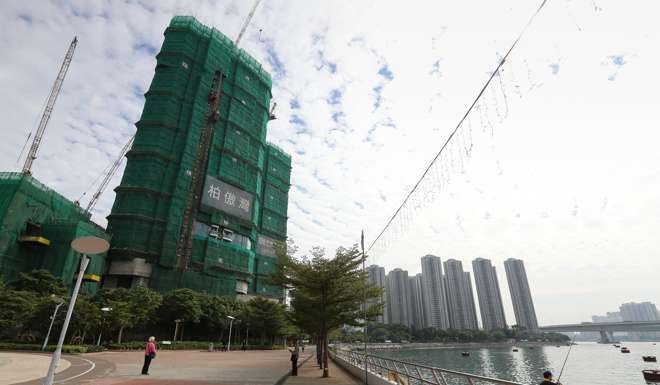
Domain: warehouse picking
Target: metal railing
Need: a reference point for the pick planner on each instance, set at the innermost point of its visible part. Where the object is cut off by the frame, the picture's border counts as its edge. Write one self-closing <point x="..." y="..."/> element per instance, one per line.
<point x="406" y="373"/>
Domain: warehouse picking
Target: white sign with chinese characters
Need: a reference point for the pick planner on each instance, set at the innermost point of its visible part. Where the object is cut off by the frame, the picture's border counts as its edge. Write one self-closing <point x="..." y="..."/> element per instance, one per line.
<point x="224" y="197"/>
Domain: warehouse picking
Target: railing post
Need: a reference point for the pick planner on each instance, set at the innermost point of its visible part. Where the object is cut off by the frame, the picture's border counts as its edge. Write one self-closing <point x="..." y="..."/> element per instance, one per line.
<point x="421" y="378"/>
<point x="438" y="380"/>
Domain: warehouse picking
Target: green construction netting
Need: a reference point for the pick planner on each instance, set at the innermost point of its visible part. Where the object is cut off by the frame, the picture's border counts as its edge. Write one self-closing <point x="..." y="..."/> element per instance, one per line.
<point x="278" y="164"/>
<point x="275" y="199"/>
<point x="23" y="201"/>
<point x="273" y="223"/>
<point x="266" y="265"/>
<point x="146" y="218"/>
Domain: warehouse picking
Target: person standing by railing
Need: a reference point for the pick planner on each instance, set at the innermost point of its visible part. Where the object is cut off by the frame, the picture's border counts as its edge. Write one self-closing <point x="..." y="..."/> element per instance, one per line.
<point x="547" y="379"/>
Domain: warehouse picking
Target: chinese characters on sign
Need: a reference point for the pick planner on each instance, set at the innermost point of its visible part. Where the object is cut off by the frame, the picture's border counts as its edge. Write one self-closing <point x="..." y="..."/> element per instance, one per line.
<point x="227" y="198"/>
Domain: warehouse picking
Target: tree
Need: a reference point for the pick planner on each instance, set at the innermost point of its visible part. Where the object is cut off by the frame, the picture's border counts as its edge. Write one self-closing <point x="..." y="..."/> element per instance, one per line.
<point x="267" y="317"/>
<point x="41" y="282"/>
<point x="86" y="317"/>
<point x="17" y="307"/>
<point x="214" y="313"/>
<point x="143" y="304"/>
<point x="327" y="293"/>
<point x="183" y="304"/>
<point x="130" y="307"/>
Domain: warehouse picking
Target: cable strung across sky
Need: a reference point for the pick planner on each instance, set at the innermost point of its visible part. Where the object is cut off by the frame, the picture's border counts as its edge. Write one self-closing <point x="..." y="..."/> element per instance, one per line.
<point x="476" y="100"/>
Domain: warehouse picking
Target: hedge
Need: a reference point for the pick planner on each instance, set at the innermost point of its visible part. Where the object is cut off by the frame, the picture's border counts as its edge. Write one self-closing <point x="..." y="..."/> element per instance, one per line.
<point x="188" y="345"/>
<point x="69" y="349"/>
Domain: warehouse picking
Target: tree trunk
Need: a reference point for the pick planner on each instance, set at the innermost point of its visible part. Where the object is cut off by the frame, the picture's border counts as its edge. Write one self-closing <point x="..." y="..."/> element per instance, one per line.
<point x="319" y="351"/>
<point x="84" y="333"/>
<point x="325" y="354"/>
<point x="121" y="331"/>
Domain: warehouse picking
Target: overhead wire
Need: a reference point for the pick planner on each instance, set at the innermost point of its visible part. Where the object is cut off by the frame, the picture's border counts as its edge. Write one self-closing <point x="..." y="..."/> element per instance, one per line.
<point x="458" y="126"/>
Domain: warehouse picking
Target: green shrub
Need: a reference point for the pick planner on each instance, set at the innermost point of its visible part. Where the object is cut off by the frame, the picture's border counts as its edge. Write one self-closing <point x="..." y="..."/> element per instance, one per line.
<point x="68" y="349"/>
<point x="187" y="345"/>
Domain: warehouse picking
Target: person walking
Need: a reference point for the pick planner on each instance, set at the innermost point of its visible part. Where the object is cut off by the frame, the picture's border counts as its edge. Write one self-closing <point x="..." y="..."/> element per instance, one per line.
<point x="547" y="379"/>
<point x="295" y="353"/>
<point x="149" y="354"/>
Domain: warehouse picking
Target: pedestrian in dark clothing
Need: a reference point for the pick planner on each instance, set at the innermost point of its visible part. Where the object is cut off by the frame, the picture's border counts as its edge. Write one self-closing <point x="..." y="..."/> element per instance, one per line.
<point x="294" y="360"/>
<point x="244" y="346"/>
<point x="303" y="348"/>
<point x="547" y="379"/>
<point x="149" y="354"/>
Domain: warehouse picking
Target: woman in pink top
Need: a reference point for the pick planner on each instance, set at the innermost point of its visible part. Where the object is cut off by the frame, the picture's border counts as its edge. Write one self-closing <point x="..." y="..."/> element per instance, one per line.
<point x="149" y="354"/>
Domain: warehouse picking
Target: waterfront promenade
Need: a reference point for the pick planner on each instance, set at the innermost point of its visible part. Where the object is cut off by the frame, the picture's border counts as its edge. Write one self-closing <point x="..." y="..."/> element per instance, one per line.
<point x="170" y="368"/>
<point x="309" y="373"/>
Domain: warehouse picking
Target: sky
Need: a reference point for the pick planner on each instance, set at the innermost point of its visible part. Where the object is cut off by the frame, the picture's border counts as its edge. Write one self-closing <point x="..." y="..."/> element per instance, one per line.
<point x="557" y="163"/>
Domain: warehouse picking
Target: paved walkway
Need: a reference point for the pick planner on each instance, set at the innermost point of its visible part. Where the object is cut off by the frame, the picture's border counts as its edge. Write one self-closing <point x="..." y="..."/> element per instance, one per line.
<point x="309" y="373"/>
<point x="171" y="368"/>
<point x="21" y="367"/>
<point x="264" y="367"/>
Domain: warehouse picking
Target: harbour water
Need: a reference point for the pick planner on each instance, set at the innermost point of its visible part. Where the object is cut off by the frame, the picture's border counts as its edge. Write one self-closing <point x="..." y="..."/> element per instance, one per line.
<point x="588" y="363"/>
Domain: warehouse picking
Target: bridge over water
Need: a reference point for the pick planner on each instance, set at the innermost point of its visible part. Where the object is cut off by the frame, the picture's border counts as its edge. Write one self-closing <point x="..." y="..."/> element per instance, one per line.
<point x="605" y="328"/>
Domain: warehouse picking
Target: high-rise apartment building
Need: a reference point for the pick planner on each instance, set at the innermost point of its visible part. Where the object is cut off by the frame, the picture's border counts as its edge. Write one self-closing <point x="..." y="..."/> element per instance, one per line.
<point x="416" y="301"/>
<point x="488" y="292"/>
<point x="640" y="311"/>
<point x="462" y="314"/>
<point x="472" y="320"/>
<point x="398" y="299"/>
<point x="204" y="197"/>
<point x="435" y="301"/>
<point x="377" y="277"/>
<point x="521" y="296"/>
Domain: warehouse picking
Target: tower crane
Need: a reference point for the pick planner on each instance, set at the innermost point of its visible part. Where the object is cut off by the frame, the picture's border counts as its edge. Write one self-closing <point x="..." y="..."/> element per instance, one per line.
<point x="247" y="21"/>
<point x="109" y="175"/>
<point x="54" y="92"/>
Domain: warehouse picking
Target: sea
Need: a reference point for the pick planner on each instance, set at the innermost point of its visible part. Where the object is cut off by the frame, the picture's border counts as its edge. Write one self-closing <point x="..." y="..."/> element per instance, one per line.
<point x="588" y="363"/>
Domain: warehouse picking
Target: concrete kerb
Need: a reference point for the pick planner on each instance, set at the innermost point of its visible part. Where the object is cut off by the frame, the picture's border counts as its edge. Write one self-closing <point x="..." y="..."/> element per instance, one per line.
<point x="284" y="377"/>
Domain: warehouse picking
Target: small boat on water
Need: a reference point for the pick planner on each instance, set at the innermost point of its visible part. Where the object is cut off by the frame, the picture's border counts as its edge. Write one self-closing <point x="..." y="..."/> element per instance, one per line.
<point x="465" y="354"/>
<point x="617" y="345"/>
<point x="625" y="350"/>
<point x="649" y="359"/>
<point x="651" y="375"/>
<point x="515" y="349"/>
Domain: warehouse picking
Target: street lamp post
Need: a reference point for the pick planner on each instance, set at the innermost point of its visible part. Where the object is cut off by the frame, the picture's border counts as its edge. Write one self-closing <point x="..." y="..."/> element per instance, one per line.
<point x="176" y="328"/>
<point x="230" y="323"/>
<point x="105" y="310"/>
<point x="84" y="246"/>
<point x="59" y="302"/>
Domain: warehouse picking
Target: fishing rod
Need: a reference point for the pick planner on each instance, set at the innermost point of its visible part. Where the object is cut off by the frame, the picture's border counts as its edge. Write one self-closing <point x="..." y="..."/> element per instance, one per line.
<point x="566" y="359"/>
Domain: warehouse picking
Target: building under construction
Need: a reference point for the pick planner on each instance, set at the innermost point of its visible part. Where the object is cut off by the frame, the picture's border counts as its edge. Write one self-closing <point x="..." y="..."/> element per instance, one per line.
<point x="203" y="197"/>
<point x="36" y="229"/>
<point x="37" y="224"/>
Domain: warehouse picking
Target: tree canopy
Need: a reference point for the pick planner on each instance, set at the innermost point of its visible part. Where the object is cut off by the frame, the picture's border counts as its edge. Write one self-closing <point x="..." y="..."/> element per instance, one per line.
<point x="327" y="293"/>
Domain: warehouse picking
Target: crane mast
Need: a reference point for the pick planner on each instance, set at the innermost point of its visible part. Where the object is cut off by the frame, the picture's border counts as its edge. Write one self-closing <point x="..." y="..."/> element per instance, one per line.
<point x="32" y="155"/>
<point x="184" y="247"/>
<point x="247" y="21"/>
<point x="109" y="175"/>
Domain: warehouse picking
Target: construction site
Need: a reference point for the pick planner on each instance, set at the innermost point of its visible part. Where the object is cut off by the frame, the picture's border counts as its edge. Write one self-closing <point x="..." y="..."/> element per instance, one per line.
<point x="203" y="199"/>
